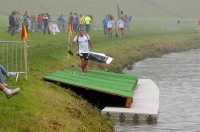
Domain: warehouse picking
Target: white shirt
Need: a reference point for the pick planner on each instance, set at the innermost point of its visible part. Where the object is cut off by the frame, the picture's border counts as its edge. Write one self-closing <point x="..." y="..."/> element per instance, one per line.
<point x="120" y="24"/>
<point x="82" y="43"/>
<point x="110" y="24"/>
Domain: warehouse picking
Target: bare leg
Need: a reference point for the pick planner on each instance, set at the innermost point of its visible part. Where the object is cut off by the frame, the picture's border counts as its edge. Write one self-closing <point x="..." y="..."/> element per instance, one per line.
<point x="122" y="33"/>
<point x="1" y="87"/>
<point x="86" y="63"/>
<point x="108" y="33"/>
<point x="82" y="65"/>
<point x="9" y="93"/>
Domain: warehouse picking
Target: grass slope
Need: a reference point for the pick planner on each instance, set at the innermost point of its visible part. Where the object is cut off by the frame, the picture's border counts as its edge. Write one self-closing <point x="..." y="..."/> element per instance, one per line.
<point x="137" y="8"/>
<point x="44" y="107"/>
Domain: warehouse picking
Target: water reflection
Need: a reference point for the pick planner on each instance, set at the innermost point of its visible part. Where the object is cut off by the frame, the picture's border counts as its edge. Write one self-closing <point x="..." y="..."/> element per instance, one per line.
<point x="177" y="75"/>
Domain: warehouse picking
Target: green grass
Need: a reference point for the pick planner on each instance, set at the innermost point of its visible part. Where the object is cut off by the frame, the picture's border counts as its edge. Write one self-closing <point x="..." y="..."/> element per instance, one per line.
<point x="46" y="107"/>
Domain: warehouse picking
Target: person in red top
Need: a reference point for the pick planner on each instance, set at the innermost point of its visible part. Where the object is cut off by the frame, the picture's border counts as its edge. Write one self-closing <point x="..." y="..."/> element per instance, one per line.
<point x="39" y="21"/>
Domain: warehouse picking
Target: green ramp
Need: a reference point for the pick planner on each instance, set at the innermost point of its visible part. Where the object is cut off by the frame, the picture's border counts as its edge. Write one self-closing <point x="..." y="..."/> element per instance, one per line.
<point x="106" y="82"/>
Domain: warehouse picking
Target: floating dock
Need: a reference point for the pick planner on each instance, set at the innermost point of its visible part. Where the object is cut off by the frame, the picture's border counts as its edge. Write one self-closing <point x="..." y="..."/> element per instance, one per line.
<point x="140" y="97"/>
<point x="145" y="104"/>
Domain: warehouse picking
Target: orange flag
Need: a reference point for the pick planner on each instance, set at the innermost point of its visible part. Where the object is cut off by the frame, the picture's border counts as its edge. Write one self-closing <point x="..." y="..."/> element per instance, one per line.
<point x="70" y="28"/>
<point x="23" y="33"/>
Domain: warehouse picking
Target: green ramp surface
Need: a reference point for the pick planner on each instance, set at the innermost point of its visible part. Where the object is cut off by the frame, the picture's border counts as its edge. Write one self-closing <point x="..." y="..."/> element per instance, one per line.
<point x="107" y="82"/>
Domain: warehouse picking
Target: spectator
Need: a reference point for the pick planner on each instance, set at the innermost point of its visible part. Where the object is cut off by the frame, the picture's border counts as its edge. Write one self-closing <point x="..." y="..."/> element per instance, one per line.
<point x="46" y="23"/>
<point x="87" y="23"/>
<point x="9" y="93"/>
<point x="82" y="22"/>
<point x="33" y="23"/>
<point x="75" y="22"/>
<point x="17" y="20"/>
<point x="61" y="21"/>
<point x="6" y="73"/>
<point x="26" y="13"/>
<point x="70" y="19"/>
<point x="39" y="21"/>
<point x="12" y="24"/>
<point x="120" y="25"/>
<point x="126" y="21"/>
<point x="110" y="25"/>
<point x="26" y="22"/>
<point x="105" y="23"/>
<point x="9" y="23"/>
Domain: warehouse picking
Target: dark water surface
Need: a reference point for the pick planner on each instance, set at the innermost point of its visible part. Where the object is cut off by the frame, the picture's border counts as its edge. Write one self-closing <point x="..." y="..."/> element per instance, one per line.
<point x="178" y="77"/>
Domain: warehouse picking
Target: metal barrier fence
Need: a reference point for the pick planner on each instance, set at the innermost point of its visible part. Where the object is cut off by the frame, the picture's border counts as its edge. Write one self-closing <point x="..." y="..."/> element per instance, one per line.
<point x="14" y="57"/>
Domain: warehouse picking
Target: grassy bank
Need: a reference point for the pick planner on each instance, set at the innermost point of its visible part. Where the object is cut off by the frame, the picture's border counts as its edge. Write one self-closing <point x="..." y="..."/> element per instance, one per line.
<point x="46" y="107"/>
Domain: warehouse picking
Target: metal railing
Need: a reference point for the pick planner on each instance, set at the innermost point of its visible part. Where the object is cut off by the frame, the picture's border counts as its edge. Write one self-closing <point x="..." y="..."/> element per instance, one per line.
<point x="14" y="57"/>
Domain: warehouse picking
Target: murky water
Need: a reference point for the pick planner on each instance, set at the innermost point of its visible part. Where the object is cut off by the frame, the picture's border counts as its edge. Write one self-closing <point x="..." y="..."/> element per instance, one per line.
<point x="178" y="77"/>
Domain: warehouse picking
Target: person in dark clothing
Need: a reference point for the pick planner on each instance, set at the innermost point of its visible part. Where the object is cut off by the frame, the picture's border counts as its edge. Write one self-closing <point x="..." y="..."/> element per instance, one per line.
<point x="12" y="24"/>
<point x="46" y="25"/>
<point x="26" y="22"/>
<point x="9" y="27"/>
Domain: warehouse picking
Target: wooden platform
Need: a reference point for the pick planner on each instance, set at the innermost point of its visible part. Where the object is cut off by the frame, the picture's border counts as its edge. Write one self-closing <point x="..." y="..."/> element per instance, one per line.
<point x="106" y="82"/>
<point x="145" y="105"/>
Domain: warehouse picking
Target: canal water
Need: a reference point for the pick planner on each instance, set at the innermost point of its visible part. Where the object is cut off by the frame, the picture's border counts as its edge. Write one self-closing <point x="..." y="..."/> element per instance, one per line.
<point x="178" y="77"/>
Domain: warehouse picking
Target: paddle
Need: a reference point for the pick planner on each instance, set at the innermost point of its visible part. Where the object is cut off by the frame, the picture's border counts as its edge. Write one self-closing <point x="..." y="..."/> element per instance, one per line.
<point x="70" y="52"/>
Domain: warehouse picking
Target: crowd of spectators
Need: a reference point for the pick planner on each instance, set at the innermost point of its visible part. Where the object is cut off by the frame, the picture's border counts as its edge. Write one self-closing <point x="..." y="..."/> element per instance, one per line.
<point x="43" y="22"/>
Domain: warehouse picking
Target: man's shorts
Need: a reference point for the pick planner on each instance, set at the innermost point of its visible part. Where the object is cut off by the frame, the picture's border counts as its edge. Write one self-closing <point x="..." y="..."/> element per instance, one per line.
<point x="84" y="55"/>
<point x="109" y="29"/>
<point x="121" y="29"/>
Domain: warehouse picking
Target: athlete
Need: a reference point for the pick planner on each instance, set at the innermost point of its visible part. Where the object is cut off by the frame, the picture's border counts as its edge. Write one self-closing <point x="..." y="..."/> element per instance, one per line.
<point x="120" y="25"/>
<point x="83" y="49"/>
<point x="110" y="25"/>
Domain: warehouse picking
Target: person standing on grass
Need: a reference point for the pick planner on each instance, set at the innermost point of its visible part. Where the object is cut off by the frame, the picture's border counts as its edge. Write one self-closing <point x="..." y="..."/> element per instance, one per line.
<point x="60" y="22"/>
<point x="12" y="24"/>
<point x="87" y="22"/>
<point x="82" y="22"/>
<point x="105" y="23"/>
<point x="26" y="22"/>
<point x="83" y="49"/>
<point x="120" y="25"/>
<point x="70" y="20"/>
<point x="9" y="93"/>
<point x="9" y="22"/>
<point x="39" y="21"/>
<point x="46" y="23"/>
<point x="110" y="26"/>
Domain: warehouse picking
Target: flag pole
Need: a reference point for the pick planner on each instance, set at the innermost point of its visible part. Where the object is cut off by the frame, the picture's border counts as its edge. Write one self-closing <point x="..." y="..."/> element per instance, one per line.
<point x="23" y="37"/>
<point x="70" y="33"/>
<point x="68" y="44"/>
<point x="25" y="58"/>
<point x="118" y="11"/>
